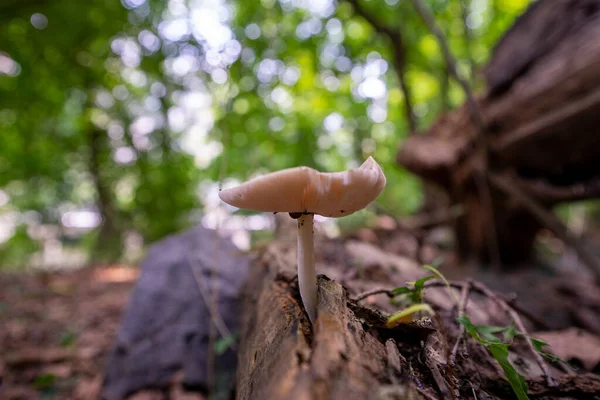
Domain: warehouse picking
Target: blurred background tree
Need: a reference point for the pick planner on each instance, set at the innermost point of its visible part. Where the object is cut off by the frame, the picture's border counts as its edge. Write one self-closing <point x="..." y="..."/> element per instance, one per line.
<point x="120" y="121"/>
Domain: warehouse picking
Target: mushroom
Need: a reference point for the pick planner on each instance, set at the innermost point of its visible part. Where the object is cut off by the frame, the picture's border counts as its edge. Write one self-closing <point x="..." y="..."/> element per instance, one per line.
<point x="303" y="192"/>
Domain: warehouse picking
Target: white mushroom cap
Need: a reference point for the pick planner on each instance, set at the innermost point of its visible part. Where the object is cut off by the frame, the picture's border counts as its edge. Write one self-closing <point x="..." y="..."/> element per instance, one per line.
<point x="305" y="190"/>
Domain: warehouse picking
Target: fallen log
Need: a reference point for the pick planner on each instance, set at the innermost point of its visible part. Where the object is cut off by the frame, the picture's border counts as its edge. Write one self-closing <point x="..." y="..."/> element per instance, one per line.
<point x="350" y="352"/>
<point x="282" y="358"/>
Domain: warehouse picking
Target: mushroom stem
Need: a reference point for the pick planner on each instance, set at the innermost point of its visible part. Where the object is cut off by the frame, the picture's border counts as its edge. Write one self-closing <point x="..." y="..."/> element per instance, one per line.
<point x="307" y="278"/>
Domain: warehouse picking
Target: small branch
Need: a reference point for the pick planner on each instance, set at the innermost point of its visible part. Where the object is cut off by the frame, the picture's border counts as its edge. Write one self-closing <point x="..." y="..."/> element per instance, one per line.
<point x="429" y="20"/>
<point x="464" y="298"/>
<point x="216" y="317"/>
<point x="467" y="37"/>
<point x="373" y="292"/>
<point x="397" y="41"/>
<point x="550" y="194"/>
<point x="549" y="220"/>
<point x="510" y="301"/>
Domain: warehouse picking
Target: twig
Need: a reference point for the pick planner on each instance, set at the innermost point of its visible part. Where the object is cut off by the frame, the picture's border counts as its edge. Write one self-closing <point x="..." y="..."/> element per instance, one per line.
<point x="517" y="320"/>
<point x="464" y="299"/>
<point x="397" y="41"/>
<point x="368" y="293"/>
<point x="473" y="390"/>
<point x="476" y="117"/>
<point x="467" y="37"/>
<point x="510" y="301"/>
<point x="429" y="20"/>
<point x="549" y="220"/>
<point x="216" y="317"/>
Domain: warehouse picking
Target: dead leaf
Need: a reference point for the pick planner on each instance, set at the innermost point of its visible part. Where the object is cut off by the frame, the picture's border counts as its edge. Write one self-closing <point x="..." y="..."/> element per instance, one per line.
<point x="573" y="343"/>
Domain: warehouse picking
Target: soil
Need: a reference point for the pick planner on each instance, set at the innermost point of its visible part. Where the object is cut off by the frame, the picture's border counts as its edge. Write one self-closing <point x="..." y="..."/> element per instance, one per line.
<point x="56" y="329"/>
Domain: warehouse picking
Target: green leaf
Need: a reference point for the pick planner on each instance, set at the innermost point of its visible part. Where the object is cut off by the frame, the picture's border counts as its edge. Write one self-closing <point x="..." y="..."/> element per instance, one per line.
<point x="44" y="381"/>
<point x="470" y="328"/>
<point x="67" y="338"/>
<point x="405" y="316"/>
<point x="419" y="284"/>
<point x="415" y="294"/>
<point x="499" y="351"/>
<point x="224" y="343"/>
<point x="402" y="290"/>
<point x="443" y="278"/>
<point x="517" y="382"/>
<point x="539" y="344"/>
<point x="510" y="333"/>
<point x="488" y="332"/>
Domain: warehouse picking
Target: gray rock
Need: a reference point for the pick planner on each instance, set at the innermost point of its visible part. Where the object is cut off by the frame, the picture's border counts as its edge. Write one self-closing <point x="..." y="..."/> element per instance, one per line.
<point x="165" y="327"/>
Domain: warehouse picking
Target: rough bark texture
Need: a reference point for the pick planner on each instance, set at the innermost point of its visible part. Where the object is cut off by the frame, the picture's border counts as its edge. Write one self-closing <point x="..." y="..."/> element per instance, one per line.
<point x="341" y="357"/>
<point x="540" y="116"/>
<point x="350" y="354"/>
<point x="277" y="361"/>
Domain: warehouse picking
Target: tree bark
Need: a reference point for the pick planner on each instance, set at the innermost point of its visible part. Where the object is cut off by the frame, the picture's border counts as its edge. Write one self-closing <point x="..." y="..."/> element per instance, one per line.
<point x="539" y="115"/>
<point x="108" y="245"/>
<point x="282" y="358"/>
<point x="350" y="353"/>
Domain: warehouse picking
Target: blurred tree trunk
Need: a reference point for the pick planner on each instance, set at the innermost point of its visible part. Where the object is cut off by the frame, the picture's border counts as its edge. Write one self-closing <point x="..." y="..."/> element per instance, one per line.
<point x="108" y="246"/>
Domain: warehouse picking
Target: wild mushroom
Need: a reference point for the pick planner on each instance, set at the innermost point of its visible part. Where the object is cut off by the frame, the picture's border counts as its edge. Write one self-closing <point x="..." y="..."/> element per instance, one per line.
<point x="303" y="192"/>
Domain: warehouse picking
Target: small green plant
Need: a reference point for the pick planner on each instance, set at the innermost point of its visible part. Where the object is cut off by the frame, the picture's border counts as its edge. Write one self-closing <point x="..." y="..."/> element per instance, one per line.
<point x="405" y="315"/>
<point x="539" y="344"/>
<point x="486" y="335"/>
<point x="67" y="338"/>
<point x="46" y="384"/>
<point x="413" y="294"/>
<point x="224" y="343"/>
<point x="413" y="298"/>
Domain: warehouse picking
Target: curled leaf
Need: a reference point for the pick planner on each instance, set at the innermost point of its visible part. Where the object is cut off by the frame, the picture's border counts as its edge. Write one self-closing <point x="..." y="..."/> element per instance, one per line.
<point x="406" y="316"/>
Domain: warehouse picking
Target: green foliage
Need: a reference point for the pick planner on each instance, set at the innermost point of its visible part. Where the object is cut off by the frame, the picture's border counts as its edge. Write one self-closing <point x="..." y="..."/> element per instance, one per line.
<point x="125" y="110"/>
<point x="443" y="279"/>
<point x="406" y="314"/>
<point x="224" y="343"/>
<point x="412" y="297"/>
<point x="414" y="294"/>
<point x="499" y="350"/>
<point x="67" y="339"/>
<point x="17" y="249"/>
<point x="539" y="344"/>
<point x="46" y="384"/>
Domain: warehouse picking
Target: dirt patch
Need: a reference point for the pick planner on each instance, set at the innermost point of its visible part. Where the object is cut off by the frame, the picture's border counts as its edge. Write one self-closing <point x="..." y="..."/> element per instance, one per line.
<point x="56" y="329"/>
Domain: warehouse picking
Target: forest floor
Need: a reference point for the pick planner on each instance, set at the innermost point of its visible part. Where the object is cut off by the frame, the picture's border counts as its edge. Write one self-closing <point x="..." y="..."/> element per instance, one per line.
<point x="56" y="327"/>
<point x="56" y="330"/>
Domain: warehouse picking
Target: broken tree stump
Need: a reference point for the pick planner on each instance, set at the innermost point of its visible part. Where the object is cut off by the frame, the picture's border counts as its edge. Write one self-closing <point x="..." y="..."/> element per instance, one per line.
<point x="540" y="118"/>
